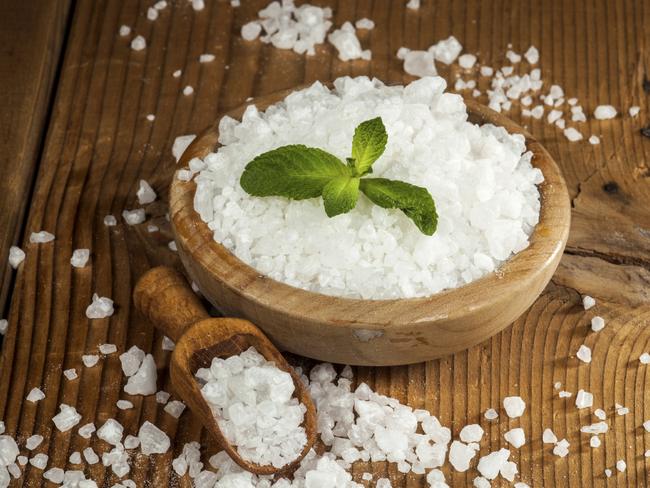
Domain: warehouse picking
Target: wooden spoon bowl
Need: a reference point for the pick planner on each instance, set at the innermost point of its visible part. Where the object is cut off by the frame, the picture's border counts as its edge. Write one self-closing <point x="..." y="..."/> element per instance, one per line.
<point x="373" y="332"/>
<point x="164" y="297"/>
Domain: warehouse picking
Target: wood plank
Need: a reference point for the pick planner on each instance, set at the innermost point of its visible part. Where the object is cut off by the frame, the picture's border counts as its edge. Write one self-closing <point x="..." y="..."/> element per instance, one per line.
<point x="99" y="145"/>
<point x="31" y="36"/>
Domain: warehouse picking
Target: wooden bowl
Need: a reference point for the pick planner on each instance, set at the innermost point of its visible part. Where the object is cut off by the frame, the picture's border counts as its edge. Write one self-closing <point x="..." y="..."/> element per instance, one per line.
<point x="373" y="332"/>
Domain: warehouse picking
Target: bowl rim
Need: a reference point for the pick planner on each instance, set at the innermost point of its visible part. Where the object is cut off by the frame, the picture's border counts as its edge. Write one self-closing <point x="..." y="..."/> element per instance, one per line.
<point x="195" y="238"/>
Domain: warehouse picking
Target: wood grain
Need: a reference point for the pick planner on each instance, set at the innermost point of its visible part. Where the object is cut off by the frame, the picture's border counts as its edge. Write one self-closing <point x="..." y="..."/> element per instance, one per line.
<point x="99" y="145"/>
<point x="31" y="36"/>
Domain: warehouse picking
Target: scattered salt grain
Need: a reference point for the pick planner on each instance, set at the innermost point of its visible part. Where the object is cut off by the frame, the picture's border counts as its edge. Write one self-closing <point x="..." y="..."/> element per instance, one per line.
<point x="413" y="4"/>
<point x="16" y="256"/>
<point x="608" y="473"/>
<point x="447" y="50"/>
<point x="516" y="437"/>
<point x="188" y="90"/>
<point x="537" y="112"/>
<point x="622" y="410"/>
<point x="508" y="471"/>
<point x="418" y="63"/>
<point x="596" y="428"/>
<point x="145" y="193"/>
<point x="513" y="57"/>
<point x="89" y="360"/>
<point x="532" y="55"/>
<point x="90" y="456"/>
<point x="588" y="302"/>
<point x="604" y="112"/>
<point x="41" y="237"/>
<point x="70" y="374"/>
<point x="143" y="382"/>
<point x="597" y="323"/>
<point x="467" y="61"/>
<point x="124" y="405"/>
<point x="175" y="408"/>
<point x="600" y="413"/>
<point x="514" y="407"/>
<point x="168" y="344"/>
<point x="251" y="31"/>
<point x="364" y="23"/>
<point x="152" y="13"/>
<point x="197" y="5"/>
<point x="125" y="30"/>
<point x="594" y="140"/>
<point x="134" y="217"/>
<point x="347" y="43"/>
<point x="151" y="117"/>
<point x="39" y="461"/>
<point x="107" y="348"/>
<point x="131" y="360"/>
<point x="490" y="465"/>
<point x="162" y="397"/>
<point x="152" y="228"/>
<point x="101" y="307"/>
<point x="86" y="431"/>
<point x="553" y="116"/>
<point x="4" y="325"/>
<point x="561" y="449"/>
<point x="172" y="246"/>
<point x="621" y="465"/>
<point x="471" y="433"/>
<point x="138" y="43"/>
<point x="33" y="442"/>
<point x="110" y="220"/>
<point x="594" y="442"/>
<point x="584" y="354"/>
<point x="35" y="395"/>
<point x="549" y="437"/>
<point x="177" y="73"/>
<point x="80" y="257"/>
<point x="206" y="58"/>
<point x="111" y="432"/>
<point x="564" y="394"/>
<point x="55" y="475"/>
<point x="486" y="71"/>
<point x="584" y="399"/>
<point x="131" y="442"/>
<point x="180" y="144"/>
<point x="644" y="358"/>
<point x="75" y="458"/>
<point x="152" y="439"/>
<point x="634" y="111"/>
<point x="572" y="134"/>
<point x="491" y="414"/>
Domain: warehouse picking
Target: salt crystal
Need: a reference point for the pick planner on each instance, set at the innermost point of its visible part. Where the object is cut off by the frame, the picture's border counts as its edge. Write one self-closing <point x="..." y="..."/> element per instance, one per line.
<point x="251" y="31"/>
<point x="557" y="385"/>
<point x="101" y="307"/>
<point x="124" y="404"/>
<point x="621" y="465"/>
<point x="532" y="55"/>
<point x="419" y="63"/>
<point x="110" y="220"/>
<point x="584" y="399"/>
<point x="125" y="30"/>
<point x="597" y="428"/>
<point x="152" y="228"/>
<point x="162" y="397"/>
<point x="597" y="323"/>
<point x="160" y="5"/>
<point x="111" y="432"/>
<point x="513" y="57"/>
<point x="588" y="302"/>
<point x="80" y="257"/>
<point x="35" y="395"/>
<point x="564" y="394"/>
<point x="131" y="360"/>
<point x="33" y="442"/>
<point x="413" y="4"/>
<point x="364" y="23"/>
<point x="490" y="465"/>
<point x="143" y="382"/>
<point x="537" y="112"/>
<point x="644" y="358"/>
<point x="447" y="50"/>
<point x="4" y="325"/>
<point x="600" y="413"/>
<point x="622" y="411"/>
<point x="491" y="414"/>
<point x="145" y="193"/>
<point x="480" y="482"/>
<point x="152" y="13"/>
<point x="175" y="408"/>
<point x="584" y="354"/>
<point x="471" y="433"/>
<point x="594" y="441"/>
<point x="55" y="475"/>
<point x="553" y="116"/>
<point x="70" y="374"/>
<point x="516" y="437"/>
<point x="134" y="217"/>
<point x="90" y="360"/>
<point x="172" y="246"/>
<point x="604" y="112"/>
<point x="347" y="43"/>
<point x="508" y="471"/>
<point x="561" y="449"/>
<point x="131" y="442"/>
<point x="87" y="430"/>
<point x="90" y="456"/>
<point x="180" y="144"/>
<point x="572" y="134"/>
<point x="39" y="461"/>
<point x="460" y="455"/>
<point x="177" y="73"/>
<point x="594" y="140"/>
<point x="608" y="473"/>
<point x="514" y="406"/>
<point x="107" y="348"/>
<point x="467" y="61"/>
<point x="138" y="43"/>
<point x="16" y="256"/>
<point x="634" y="111"/>
<point x="167" y="343"/>
<point x="75" y="458"/>
<point x="151" y="117"/>
<point x="152" y="439"/>
<point x="206" y="58"/>
<point x="486" y="71"/>
<point x="197" y="5"/>
<point x="41" y="237"/>
<point x="548" y="437"/>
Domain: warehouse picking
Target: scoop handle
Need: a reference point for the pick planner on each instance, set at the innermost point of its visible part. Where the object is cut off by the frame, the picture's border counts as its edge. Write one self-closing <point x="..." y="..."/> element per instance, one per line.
<point x="164" y="297"/>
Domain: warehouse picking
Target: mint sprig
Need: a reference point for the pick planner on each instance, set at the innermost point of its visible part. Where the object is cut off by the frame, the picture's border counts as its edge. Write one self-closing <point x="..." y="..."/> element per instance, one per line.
<point x="298" y="172"/>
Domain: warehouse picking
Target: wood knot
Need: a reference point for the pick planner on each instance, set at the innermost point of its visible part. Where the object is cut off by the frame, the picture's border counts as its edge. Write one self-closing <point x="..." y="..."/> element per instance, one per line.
<point x="610" y="187"/>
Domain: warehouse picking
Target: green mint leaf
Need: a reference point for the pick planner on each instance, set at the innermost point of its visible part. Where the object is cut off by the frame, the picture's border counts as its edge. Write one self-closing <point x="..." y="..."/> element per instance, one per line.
<point x="294" y="171"/>
<point x="340" y="195"/>
<point x="416" y="202"/>
<point x="368" y="144"/>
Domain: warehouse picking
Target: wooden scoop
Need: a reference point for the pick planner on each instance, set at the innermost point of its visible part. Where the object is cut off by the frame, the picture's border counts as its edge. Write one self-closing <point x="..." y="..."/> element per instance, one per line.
<point x="164" y="297"/>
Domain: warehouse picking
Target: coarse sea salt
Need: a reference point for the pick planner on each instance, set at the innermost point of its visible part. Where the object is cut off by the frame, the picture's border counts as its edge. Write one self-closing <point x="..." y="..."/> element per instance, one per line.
<point x="514" y="406"/>
<point x="516" y="437"/>
<point x="16" y="256"/>
<point x="67" y="418"/>
<point x="604" y="112"/>
<point x="584" y="354"/>
<point x="100" y="308"/>
<point x="35" y="395"/>
<point x="138" y="43"/>
<point x="4" y="325"/>
<point x="347" y="43"/>
<point x="145" y="193"/>
<point x="41" y="237"/>
<point x="588" y="302"/>
<point x="365" y="24"/>
<point x="481" y="178"/>
<point x="254" y="405"/>
<point x="597" y="323"/>
<point x="80" y="258"/>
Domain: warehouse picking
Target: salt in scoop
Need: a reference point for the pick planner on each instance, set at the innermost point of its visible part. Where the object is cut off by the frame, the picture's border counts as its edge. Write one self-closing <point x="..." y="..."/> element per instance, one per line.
<point x="163" y="296"/>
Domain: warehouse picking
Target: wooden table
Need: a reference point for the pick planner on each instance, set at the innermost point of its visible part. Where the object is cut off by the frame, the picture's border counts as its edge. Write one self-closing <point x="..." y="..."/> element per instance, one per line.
<point x="75" y="98"/>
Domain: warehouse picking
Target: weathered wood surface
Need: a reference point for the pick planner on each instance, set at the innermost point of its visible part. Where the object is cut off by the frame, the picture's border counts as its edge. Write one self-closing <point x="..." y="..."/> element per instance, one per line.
<point x="99" y="145"/>
<point x="31" y="37"/>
